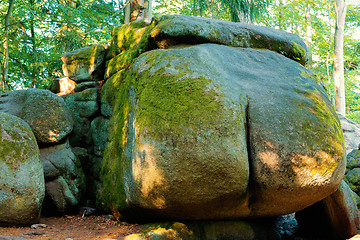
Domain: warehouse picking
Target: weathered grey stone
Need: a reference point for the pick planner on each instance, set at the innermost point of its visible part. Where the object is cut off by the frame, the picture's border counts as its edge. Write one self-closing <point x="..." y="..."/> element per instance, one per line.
<point x="63" y="86"/>
<point x="85" y="64"/>
<point x="21" y="173"/>
<point x="352" y="177"/>
<point x="99" y="131"/>
<point x="83" y="106"/>
<point x="169" y="30"/>
<point x="65" y="180"/>
<point x="351" y="133"/>
<point x="44" y="111"/>
<point x="85" y="85"/>
<point x="184" y="117"/>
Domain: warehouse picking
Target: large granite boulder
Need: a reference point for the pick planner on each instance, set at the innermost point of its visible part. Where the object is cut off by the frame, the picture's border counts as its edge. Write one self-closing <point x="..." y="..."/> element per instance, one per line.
<point x="85" y="64"/>
<point x="21" y="173"/>
<point x="44" y="111"/>
<point x="218" y="132"/>
<point x="64" y="177"/>
<point x="174" y="31"/>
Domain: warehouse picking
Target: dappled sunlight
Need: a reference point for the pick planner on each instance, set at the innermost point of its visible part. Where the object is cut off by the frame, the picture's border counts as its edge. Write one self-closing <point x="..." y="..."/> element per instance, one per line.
<point x="148" y="175"/>
<point x="53" y="136"/>
<point x="270" y="159"/>
<point x="319" y="168"/>
<point x="66" y="86"/>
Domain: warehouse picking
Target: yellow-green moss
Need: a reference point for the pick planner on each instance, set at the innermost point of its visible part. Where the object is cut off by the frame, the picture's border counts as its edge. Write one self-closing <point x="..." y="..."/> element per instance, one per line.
<point x="86" y="56"/>
<point x="167" y="107"/>
<point x="18" y="143"/>
<point x="298" y="53"/>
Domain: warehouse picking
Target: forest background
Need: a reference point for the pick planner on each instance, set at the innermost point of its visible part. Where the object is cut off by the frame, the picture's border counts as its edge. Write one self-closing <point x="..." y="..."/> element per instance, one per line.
<point x="35" y="33"/>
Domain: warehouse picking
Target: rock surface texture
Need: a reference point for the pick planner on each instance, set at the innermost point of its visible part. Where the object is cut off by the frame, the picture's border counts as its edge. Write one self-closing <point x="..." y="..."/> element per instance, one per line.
<point x="65" y="180"/>
<point x="21" y="173"/>
<point x="213" y="131"/>
<point x="44" y="111"/>
<point x="335" y="217"/>
<point x="85" y="64"/>
<point x="351" y="134"/>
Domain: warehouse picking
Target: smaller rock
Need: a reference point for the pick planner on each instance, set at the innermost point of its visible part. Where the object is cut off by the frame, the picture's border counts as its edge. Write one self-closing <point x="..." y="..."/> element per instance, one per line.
<point x="351" y="133"/>
<point x="38" y="226"/>
<point x="44" y="111"/>
<point x="85" y="64"/>
<point x="342" y="210"/>
<point x="85" y="85"/>
<point x="334" y="217"/>
<point x="35" y="233"/>
<point x="63" y="86"/>
<point x="13" y="238"/>
<point x="87" y="211"/>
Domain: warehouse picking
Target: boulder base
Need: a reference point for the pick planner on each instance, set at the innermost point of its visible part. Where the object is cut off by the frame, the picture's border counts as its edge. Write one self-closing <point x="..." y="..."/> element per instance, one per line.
<point x="21" y="173"/>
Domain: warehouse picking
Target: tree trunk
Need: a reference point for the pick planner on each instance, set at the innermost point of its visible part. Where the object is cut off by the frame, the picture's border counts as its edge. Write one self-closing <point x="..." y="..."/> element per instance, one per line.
<point x="148" y="9"/>
<point x="308" y="33"/>
<point x="340" y="10"/>
<point x="280" y="17"/>
<point x="4" y="79"/>
<point x="127" y="12"/>
<point x="33" y="47"/>
<point x="328" y="51"/>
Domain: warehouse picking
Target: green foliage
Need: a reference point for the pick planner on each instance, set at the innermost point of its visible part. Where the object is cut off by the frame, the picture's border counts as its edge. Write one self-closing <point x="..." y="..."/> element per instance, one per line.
<point x="314" y="21"/>
<point x="232" y="10"/>
<point x="41" y="31"/>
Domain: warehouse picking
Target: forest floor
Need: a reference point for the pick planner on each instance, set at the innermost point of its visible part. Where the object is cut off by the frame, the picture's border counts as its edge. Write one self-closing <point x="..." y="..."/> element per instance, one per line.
<point x="75" y="227"/>
<point x="72" y="227"/>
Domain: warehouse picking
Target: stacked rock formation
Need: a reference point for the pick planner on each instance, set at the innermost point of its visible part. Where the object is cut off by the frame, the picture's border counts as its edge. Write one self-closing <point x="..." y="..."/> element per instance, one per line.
<point x="50" y="121"/>
<point x="186" y="118"/>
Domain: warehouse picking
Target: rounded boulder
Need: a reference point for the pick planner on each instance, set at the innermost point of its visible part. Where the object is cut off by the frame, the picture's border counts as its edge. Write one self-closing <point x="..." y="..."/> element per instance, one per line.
<point x="22" y="186"/>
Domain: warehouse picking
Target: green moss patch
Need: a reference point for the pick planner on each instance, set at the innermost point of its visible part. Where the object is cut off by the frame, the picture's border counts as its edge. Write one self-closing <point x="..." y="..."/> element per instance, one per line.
<point x="17" y="142"/>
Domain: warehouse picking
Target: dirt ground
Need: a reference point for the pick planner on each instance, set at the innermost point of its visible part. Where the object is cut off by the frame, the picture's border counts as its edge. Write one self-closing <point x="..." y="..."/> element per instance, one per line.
<point x="72" y="228"/>
<point x="75" y="227"/>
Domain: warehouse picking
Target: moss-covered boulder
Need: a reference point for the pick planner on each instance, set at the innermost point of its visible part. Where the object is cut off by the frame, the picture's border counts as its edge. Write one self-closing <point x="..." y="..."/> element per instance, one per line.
<point x="21" y="173"/>
<point x="217" y="132"/>
<point x="44" y="111"/>
<point x="64" y="177"/>
<point x="85" y="64"/>
<point x="171" y="30"/>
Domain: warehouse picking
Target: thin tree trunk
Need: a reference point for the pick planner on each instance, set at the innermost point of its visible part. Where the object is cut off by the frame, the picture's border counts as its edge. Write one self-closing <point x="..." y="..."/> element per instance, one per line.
<point x="328" y="50"/>
<point x="199" y="8"/>
<point x="4" y="80"/>
<point x="340" y="10"/>
<point x="280" y="18"/>
<point x="148" y="9"/>
<point x="308" y="33"/>
<point x="127" y="12"/>
<point x="33" y="43"/>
